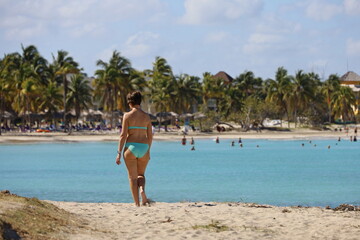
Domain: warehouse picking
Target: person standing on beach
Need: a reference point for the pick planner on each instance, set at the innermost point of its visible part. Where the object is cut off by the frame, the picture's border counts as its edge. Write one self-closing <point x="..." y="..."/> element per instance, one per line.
<point x="136" y="136"/>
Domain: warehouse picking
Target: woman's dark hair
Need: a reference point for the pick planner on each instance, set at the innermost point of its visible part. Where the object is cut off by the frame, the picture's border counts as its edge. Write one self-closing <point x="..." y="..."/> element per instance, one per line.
<point x="134" y="98"/>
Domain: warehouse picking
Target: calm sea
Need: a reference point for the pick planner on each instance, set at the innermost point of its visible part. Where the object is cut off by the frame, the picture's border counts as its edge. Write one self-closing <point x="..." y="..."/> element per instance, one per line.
<point x="277" y="172"/>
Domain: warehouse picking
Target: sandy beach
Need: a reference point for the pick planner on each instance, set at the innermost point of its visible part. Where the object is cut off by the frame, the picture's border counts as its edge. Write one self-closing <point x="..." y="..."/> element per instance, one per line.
<point x="171" y="136"/>
<point x="211" y="221"/>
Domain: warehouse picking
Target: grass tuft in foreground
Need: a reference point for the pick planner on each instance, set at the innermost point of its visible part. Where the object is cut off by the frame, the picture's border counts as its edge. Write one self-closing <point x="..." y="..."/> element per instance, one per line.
<point x="213" y="226"/>
<point x="30" y="218"/>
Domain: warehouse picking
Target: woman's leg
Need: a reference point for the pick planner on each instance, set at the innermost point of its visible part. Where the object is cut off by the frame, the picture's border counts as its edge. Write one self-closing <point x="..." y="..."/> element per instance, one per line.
<point x="131" y="165"/>
<point x="141" y="167"/>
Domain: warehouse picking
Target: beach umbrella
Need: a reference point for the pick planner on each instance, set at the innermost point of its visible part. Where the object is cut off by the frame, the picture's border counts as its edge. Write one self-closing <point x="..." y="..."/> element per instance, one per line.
<point x="166" y="114"/>
<point x="199" y="115"/>
<point x="186" y="115"/>
<point x="8" y="115"/>
<point x="152" y="117"/>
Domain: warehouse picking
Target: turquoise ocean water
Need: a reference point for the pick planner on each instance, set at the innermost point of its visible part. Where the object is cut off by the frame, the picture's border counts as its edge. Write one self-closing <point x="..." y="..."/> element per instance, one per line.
<point x="278" y="172"/>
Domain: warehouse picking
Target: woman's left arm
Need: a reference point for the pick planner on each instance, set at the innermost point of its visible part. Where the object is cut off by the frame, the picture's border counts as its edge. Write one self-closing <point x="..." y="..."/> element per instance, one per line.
<point x="149" y="133"/>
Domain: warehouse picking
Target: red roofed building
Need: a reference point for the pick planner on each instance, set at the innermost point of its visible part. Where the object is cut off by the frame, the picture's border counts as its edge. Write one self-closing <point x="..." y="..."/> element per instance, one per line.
<point x="224" y="76"/>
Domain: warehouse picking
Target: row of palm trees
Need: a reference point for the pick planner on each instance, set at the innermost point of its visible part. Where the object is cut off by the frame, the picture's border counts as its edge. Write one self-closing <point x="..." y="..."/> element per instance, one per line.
<point x="31" y="84"/>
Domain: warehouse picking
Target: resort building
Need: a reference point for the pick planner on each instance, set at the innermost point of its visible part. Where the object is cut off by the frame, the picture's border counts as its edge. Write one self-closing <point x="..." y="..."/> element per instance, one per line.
<point x="352" y="80"/>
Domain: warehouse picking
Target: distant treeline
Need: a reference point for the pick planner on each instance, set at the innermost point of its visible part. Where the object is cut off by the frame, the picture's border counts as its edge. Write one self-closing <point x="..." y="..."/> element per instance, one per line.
<point x="29" y="83"/>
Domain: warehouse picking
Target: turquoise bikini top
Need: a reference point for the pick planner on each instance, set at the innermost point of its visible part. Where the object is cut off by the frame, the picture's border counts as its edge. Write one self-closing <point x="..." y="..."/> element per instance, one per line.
<point x="137" y="127"/>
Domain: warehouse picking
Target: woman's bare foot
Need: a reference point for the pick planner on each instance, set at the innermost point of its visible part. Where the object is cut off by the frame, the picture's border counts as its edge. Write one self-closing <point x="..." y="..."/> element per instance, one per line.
<point x="144" y="199"/>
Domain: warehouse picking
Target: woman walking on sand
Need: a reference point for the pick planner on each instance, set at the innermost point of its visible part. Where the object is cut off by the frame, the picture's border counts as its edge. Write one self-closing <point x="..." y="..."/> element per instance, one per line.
<point x="136" y="137"/>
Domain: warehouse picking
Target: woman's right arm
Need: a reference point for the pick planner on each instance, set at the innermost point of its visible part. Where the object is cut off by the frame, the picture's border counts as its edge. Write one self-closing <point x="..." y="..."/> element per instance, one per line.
<point x="123" y="137"/>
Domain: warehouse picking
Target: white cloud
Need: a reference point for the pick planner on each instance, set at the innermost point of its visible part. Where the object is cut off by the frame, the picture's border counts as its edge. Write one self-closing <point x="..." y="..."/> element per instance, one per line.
<point x="259" y="42"/>
<point x="318" y="65"/>
<point x="140" y="44"/>
<point x="214" y="11"/>
<point x="106" y="54"/>
<point x="353" y="47"/>
<point x="260" y="38"/>
<point x="91" y="29"/>
<point x="216" y="37"/>
<point x="26" y="32"/>
<point x="352" y="7"/>
<point x="322" y="10"/>
<point x="274" y="24"/>
<point x="69" y="15"/>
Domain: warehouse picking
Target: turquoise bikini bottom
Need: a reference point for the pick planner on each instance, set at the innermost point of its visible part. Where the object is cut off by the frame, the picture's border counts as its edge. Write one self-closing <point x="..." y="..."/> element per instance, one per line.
<point x="138" y="149"/>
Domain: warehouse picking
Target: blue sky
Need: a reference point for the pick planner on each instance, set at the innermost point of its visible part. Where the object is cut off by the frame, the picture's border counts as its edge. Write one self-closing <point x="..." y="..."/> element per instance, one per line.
<point x="194" y="36"/>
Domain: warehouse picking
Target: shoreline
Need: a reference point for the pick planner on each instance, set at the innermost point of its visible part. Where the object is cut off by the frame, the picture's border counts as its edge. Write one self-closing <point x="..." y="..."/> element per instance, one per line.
<point x="302" y="134"/>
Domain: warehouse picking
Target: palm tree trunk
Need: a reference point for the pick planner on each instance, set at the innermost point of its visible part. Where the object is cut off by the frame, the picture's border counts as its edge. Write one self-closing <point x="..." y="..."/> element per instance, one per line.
<point x="64" y="99"/>
<point x="54" y="119"/>
<point x="1" y="111"/>
<point x="28" y="111"/>
<point x="160" y="123"/>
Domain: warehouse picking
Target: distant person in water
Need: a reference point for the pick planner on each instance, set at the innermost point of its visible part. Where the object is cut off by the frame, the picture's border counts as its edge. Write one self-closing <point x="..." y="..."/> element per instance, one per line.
<point x="233" y="143"/>
<point x="217" y="140"/>
<point x="355" y="139"/>
<point x="339" y="139"/>
<point x="193" y="148"/>
<point x="183" y="140"/>
<point x="240" y="141"/>
<point x="135" y="138"/>
<point x="192" y="142"/>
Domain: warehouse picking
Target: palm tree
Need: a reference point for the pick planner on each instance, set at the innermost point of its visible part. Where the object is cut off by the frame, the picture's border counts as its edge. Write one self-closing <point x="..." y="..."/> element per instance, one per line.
<point x="79" y="95"/>
<point x="161" y="85"/>
<point x="27" y="73"/>
<point x="213" y="88"/>
<point x="331" y="85"/>
<point x="343" y="100"/>
<point x="232" y="100"/>
<point x="186" y="92"/>
<point x="122" y="69"/>
<point x="116" y="78"/>
<point x="278" y="90"/>
<point x="51" y="100"/>
<point x="302" y="92"/>
<point x="248" y="83"/>
<point x="134" y="81"/>
<point x="64" y="65"/>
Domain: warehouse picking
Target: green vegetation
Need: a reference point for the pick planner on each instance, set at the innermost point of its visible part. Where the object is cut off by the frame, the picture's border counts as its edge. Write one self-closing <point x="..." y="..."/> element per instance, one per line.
<point x="30" y="84"/>
<point x="30" y="218"/>
<point x="213" y="226"/>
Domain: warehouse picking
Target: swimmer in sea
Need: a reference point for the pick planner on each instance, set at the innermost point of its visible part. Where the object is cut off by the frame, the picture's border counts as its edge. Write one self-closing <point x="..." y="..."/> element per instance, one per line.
<point x="183" y="140"/>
